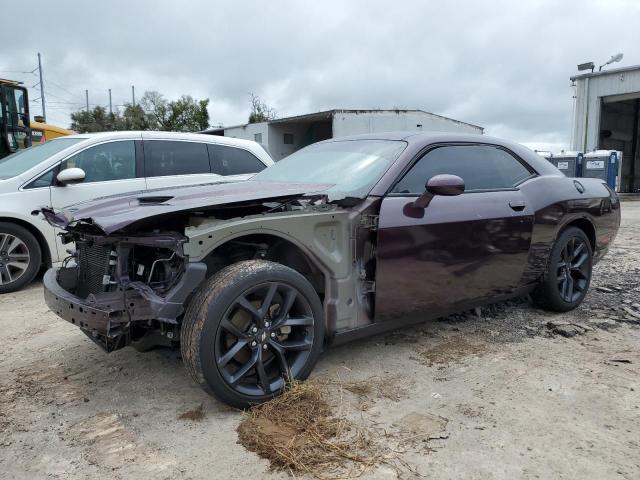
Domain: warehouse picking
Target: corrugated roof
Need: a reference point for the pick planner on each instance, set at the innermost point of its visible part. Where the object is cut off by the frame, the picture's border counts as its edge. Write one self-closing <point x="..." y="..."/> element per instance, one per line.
<point x="326" y="114"/>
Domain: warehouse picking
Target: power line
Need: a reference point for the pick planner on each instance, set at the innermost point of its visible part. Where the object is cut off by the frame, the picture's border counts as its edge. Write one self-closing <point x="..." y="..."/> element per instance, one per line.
<point x="59" y="97"/>
<point x="62" y="88"/>
<point x="19" y="71"/>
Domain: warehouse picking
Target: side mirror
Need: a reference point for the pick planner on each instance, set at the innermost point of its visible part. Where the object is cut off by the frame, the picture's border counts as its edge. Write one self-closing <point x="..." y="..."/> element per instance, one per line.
<point x="69" y="176"/>
<point x="445" y="185"/>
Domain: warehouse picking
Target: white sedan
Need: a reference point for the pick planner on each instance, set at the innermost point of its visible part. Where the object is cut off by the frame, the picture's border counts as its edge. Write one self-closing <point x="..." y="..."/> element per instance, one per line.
<point x="76" y="168"/>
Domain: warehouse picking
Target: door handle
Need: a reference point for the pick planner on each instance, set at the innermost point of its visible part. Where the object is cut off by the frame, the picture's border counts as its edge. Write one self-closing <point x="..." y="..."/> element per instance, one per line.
<point x="517" y="205"/>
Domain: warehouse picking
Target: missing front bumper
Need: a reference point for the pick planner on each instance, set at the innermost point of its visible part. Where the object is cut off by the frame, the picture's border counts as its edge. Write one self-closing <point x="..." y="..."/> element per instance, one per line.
<point x="105" y="321"/>
<point x="107" y="317"/>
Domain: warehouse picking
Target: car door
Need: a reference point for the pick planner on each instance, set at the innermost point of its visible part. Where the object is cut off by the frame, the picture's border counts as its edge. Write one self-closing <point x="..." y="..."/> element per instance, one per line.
<point x="463" y="248"/>
<point x="110" y="168"/>
<point x="170" y="163"/>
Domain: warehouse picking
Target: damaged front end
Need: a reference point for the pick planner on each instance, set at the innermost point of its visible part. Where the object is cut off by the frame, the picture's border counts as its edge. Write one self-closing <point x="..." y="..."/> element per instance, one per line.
<point x="120" y="288"/>
<point x="128" y="278"/>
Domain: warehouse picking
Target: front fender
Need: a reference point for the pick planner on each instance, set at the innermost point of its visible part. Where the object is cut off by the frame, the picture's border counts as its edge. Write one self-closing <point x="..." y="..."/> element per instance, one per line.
<point x="324" y="236"/>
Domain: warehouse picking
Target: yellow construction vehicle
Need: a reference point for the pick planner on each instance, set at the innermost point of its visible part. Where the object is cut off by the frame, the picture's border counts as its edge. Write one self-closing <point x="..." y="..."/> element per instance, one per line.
<point x="15" y="131"/>
<point x="41" y="131"/>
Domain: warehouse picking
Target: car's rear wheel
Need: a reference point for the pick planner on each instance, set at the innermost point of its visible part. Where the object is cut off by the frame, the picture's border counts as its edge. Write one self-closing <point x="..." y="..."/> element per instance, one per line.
<point x="20" y="257"/>
<point x="250" y="329"/>
<point x="568" y="275"/>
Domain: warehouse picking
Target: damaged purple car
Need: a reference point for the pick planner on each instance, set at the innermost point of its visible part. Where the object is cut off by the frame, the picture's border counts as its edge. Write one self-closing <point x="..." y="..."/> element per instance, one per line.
<point x="345" y="238"/>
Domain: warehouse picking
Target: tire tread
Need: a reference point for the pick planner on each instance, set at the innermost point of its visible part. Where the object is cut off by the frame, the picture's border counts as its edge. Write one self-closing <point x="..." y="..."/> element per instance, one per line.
<point x="196" y="313"/>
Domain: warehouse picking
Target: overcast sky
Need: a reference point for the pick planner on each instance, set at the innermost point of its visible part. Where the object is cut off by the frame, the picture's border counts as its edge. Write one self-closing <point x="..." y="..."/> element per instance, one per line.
<point x="502" y="65"/>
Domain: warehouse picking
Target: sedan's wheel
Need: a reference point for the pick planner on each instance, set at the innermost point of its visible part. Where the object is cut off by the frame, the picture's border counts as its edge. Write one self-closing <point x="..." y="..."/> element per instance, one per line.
<point x="568" y="275"/>
<point x="573" y="270"/>
<point x="250" y="329"/>
<point x="20" y="257"/>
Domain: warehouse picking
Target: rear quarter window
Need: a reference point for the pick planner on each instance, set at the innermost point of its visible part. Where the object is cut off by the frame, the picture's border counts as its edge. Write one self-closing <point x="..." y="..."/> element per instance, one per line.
<point x="233" y="161"/>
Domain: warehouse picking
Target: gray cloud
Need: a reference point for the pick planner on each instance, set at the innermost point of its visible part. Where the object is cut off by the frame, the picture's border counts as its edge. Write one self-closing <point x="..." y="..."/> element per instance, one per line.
<point x="500" y="64"/>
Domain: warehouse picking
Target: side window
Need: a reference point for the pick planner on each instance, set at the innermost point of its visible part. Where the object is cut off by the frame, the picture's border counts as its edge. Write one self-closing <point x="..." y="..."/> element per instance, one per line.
<point x="105" y="162"/>
<point x="164" y="157"/>
<point x="482" y="167"/>
<point x="44" y="180"/>
<point x="233" y="161"/>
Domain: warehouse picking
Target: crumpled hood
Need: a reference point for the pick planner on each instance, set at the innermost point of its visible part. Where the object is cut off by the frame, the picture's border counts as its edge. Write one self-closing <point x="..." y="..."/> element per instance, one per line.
<point x="114" y="213"/>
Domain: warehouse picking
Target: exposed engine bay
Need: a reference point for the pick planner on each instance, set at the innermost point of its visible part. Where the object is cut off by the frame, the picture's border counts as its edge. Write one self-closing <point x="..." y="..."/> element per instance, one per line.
<point x="140" y="282"/>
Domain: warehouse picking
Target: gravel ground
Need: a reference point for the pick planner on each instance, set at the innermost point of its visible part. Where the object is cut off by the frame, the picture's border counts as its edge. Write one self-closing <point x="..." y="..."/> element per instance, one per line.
<point x="513" y="392"/>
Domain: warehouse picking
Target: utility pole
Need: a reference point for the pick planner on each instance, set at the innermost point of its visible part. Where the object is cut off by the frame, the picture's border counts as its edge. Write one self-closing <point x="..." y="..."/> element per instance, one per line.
<point x="44" y="112"/>
<point x="86" y="96"/>
<point x="133" y="95"/>
<point x="110" y="106"/>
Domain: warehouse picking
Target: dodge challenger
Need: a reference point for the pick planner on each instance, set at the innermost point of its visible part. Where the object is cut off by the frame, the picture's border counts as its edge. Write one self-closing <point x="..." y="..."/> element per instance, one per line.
<point x="344" y="238"/>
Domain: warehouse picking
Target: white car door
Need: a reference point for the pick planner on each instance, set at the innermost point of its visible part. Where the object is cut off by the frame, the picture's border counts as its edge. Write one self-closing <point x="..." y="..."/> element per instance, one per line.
<point x="170" y="163"/>
<point x="110" y="168"/>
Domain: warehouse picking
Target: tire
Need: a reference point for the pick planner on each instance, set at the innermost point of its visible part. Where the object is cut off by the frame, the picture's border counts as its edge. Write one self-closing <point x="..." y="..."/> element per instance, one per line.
<point x="248" y="329"/>
<point x="568" y="275"/>
<point x="20" y="257"/>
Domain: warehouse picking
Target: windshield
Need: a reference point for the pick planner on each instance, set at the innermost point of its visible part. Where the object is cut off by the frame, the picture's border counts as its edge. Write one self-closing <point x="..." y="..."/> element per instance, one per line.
<point x="23" y="160"/>
<point x="352" y="166"/>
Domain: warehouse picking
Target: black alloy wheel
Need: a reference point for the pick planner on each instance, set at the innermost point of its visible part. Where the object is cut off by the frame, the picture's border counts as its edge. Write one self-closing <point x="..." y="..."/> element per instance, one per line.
<point x="264" y="339"/>
<point x="574" y="270"/>
<point x="250" y="329"/>
<point x="568" y="274"/>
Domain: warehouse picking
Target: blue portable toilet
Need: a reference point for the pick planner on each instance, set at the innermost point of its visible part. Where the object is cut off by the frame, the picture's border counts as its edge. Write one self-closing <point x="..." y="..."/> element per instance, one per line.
<point x="569" y="163"/>
<point x="603" y="164"/>
<point x="545" y="154"/>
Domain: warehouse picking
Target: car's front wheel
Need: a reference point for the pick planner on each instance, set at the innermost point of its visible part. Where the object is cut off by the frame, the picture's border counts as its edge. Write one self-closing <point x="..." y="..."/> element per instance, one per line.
<point x="568" y="275"/>
<point x="20" y="257"/>
<point x="249" y="329"/>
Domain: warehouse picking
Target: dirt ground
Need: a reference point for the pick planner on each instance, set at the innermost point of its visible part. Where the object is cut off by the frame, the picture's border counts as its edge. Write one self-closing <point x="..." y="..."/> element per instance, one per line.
<point x="511" y="393"/>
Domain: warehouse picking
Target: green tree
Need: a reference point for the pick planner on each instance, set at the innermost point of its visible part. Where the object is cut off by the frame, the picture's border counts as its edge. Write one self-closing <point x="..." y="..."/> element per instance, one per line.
<point x="188" y="115"/>
<point x="154" y="112"/>
<point x="156" y="109"/>
<point x="96" y="120"/>
<point x="134" y="118"/>
<point x="260" y="112"/>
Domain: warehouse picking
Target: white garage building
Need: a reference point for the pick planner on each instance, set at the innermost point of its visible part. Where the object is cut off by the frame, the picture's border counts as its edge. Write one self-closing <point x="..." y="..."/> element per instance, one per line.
<point x="284" y="136"/>
<point x="607" y="107"/>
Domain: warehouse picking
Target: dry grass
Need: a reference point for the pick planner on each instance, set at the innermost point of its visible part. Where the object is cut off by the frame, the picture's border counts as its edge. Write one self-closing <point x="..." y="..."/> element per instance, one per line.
<point x="195" y="415"/>
<point x="376" y="387"/>
<point x="299" y="433"/>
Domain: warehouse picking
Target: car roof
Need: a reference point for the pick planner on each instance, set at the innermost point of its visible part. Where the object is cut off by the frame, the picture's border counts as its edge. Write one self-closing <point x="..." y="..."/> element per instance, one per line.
<point x="255" y="148"/>
<point x="424" y="137"/>
<point x="197" y="137"/>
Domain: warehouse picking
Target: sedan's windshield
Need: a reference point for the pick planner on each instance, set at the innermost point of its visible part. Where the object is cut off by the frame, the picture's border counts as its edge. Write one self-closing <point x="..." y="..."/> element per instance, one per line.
<point x="352" y="166"/>
<point x="23" y="160"/>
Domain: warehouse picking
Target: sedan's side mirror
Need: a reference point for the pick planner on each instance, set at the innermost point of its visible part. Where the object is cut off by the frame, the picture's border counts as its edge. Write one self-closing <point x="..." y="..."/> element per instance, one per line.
<point x="445" y="185"/>
<point x="69" y="176"/>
